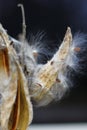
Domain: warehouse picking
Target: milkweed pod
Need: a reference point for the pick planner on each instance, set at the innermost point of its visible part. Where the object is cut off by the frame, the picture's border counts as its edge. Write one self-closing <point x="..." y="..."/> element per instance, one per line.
<point x="15" y="105"/>
<point x="47" y="77"/>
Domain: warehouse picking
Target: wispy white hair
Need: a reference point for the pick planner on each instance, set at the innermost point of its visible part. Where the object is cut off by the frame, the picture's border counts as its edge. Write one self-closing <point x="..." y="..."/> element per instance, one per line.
<point x="77" y="59"/>
<point x="74" y="63"/>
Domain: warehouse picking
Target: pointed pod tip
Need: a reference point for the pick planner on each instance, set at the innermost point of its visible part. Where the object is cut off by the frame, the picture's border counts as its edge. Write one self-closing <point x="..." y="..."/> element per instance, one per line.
<point x="68" y="30"/>
<point x="68" y="35"/>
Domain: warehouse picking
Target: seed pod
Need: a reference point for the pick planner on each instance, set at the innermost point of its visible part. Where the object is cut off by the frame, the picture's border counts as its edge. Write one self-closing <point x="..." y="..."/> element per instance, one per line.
<point x="47" y="76"/>
<point x="15" y="105"/>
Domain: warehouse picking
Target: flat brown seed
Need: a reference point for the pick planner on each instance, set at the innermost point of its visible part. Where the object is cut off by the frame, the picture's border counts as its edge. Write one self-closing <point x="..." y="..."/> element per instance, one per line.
<point x="77" y="49"/>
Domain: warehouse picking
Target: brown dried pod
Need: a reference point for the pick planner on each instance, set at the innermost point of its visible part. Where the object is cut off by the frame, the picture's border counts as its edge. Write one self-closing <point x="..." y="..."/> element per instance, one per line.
<point x="46" y="77"/>
<point x="15" y="105"/>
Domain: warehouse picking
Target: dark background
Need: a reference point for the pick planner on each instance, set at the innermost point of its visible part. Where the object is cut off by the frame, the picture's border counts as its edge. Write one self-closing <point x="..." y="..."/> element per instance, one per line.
<point x="52" y="16"/>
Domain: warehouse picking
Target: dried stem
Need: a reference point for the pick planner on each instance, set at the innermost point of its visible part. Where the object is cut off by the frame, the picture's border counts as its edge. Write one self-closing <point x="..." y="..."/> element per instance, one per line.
<point x="23" y="22"/>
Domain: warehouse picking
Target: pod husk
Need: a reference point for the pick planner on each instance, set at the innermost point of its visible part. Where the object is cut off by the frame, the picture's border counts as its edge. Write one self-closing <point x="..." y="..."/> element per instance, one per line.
<point x="15" y="106"/>
<point x="47" y="75"/>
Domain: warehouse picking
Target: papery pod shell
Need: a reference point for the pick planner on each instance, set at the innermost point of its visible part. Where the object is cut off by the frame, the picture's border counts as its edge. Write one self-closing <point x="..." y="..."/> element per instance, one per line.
<point x="24" y="110"/>
<point x="8" y="86"/>
<point x="15" y="105"/>
<point x="47" y="75"/>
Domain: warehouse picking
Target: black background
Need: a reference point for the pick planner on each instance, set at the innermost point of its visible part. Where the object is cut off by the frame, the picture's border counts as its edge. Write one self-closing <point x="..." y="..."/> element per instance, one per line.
<point x="52" y="16"/>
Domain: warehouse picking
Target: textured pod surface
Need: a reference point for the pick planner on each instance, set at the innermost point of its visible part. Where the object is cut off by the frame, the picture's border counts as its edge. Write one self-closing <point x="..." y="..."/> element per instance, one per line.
<point x="8" y="84"/>
<point x="15" y="105"/>
<point x="47" y="76"/>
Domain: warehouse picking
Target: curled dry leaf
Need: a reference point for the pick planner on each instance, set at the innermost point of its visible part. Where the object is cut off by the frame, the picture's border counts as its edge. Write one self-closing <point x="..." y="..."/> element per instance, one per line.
<point x="15" y="105"/>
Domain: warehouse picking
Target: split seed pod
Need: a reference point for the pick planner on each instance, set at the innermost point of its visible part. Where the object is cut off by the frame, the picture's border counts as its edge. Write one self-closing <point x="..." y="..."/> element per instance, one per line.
<point x="47" y="78"/>
<point x="15" y="105"/>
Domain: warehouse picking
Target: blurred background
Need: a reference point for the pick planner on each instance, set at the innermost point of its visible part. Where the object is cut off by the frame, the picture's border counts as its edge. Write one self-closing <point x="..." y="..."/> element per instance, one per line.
<point x="52" y="16"/>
